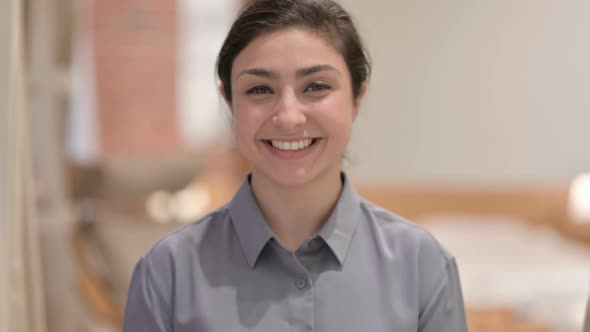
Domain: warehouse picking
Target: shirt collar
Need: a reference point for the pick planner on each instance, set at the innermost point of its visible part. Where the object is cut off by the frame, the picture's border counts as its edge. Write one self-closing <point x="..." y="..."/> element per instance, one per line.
<point x="253" y="232"/>
<point x="339" y="229"/>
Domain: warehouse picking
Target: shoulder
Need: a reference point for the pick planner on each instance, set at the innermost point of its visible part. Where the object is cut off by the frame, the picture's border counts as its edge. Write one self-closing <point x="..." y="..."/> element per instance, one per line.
<point x="403" y="235"/>
<point x="411" y="248"/>
<point x="187" y="239"/>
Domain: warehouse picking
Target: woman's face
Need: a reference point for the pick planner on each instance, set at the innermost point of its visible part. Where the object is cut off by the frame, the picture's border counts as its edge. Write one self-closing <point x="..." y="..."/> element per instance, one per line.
<point x="292" y="105"/>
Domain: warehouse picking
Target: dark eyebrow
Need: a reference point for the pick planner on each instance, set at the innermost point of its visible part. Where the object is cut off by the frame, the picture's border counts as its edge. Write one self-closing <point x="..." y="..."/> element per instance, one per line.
<point x="258" y="72"/>
<point x="300" y="72"/>
<point x="314" y="69"/>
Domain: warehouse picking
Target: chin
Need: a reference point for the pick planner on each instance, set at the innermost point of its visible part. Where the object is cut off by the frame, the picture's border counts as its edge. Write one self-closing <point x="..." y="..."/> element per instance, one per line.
<point x="294" y="177"/>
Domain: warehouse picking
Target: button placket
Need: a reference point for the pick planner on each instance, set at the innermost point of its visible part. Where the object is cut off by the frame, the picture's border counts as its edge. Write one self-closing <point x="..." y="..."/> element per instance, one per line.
<point x="303" y="318"/>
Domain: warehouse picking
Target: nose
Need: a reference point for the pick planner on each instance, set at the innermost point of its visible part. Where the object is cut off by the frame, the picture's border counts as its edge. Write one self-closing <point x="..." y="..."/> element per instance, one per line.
<point x="289" y="112"/>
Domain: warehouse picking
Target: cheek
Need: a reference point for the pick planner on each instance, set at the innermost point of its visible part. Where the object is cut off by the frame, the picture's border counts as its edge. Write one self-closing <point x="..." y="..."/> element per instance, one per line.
<point x="243" y="136"/>
<point x="336" y="117"/>
<point x="241" y="128"/>
<point x="246" y="124"/>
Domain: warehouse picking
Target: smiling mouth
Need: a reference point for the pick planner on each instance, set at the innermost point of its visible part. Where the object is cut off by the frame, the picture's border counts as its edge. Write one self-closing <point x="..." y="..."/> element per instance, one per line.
<point x="292" y="145"/>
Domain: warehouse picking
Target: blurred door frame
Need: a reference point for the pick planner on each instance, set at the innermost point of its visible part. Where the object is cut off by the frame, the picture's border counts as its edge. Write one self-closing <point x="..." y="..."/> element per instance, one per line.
<point x="22" y="306"/>
<point x="49" y="26"/>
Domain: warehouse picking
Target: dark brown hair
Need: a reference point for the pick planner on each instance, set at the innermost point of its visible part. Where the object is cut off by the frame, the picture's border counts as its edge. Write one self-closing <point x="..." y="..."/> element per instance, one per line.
<point x="325" y="17"/>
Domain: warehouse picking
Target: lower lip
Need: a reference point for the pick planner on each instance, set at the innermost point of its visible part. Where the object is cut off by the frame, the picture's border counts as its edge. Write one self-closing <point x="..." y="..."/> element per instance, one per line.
<point x="292" y="154"/>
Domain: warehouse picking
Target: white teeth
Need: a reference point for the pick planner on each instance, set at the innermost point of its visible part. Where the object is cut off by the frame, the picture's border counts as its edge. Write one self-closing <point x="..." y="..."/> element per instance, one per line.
<point x="289" y="146"/>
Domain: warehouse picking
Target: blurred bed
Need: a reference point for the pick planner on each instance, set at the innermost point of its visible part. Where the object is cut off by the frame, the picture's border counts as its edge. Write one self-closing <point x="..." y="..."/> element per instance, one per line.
<point x="505" y="263"/>
<point x="524" y="266"/>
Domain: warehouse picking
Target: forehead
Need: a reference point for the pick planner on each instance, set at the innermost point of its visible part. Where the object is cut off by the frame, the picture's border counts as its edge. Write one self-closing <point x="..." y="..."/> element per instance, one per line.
<point x="288" y="49"/>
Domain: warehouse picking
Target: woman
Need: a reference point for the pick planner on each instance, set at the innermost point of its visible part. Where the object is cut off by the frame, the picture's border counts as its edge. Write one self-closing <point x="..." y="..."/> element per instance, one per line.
<point x="296" y="249"/>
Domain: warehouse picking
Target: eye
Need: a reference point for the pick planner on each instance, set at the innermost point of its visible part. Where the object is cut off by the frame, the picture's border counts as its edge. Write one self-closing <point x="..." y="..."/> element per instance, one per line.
<point x="259" y="89"/>
<point x="317" y="86"/>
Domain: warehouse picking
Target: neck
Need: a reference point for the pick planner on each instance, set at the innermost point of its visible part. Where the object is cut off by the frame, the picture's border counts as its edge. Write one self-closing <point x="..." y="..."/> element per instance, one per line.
<point x="295" y="213"/>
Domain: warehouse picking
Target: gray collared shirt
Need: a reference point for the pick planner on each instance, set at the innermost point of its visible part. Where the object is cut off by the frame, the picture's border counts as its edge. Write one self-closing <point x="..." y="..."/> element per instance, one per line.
<point x="366" y="270"/>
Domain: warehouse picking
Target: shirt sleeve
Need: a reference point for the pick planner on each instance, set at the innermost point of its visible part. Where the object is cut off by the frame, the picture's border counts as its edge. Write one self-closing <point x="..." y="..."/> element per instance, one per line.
<point x="445" y="311"/>
<point x="146" y="309"/>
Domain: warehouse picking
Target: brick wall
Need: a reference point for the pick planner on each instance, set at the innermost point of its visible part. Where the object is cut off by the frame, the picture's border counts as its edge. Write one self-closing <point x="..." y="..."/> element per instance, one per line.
<point x="135" y="54"/>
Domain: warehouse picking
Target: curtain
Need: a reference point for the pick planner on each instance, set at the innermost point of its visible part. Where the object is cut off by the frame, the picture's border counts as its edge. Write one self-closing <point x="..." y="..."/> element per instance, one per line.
<point x="21" y="287"/>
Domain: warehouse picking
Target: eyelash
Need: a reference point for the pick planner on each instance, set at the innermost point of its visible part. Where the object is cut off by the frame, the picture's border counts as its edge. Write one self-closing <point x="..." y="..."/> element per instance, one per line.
<point x="256" y="90"/>
<point x="316" y="86"/>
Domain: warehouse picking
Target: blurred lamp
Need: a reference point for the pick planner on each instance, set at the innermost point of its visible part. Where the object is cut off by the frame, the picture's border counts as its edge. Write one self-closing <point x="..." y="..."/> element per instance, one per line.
<point x="579" y="199"/>
<point x="183" y="206"/>
<point x="158" y="207"/>
<point x="191" y="203"/>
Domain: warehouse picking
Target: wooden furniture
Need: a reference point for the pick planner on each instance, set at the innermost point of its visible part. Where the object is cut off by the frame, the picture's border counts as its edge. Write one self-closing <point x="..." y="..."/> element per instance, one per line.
<point x="542" y="206"/>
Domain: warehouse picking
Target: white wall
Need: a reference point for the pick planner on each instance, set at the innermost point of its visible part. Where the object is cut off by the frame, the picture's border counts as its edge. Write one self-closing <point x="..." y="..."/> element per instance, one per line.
<point x="485" y="92"/>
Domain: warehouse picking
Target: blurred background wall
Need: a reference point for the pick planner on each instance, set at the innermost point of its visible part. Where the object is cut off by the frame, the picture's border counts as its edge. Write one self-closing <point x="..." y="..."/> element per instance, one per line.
<point x="489" y="92"/>
<point x="130" y="139"/>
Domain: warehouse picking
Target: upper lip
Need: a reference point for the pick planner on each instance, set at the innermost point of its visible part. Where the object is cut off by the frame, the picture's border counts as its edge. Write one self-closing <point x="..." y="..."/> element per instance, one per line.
<point x="289" y="139"/>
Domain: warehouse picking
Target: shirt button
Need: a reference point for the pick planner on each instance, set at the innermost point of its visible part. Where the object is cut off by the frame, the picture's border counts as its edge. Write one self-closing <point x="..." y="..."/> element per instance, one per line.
<point x="300" y="283"/>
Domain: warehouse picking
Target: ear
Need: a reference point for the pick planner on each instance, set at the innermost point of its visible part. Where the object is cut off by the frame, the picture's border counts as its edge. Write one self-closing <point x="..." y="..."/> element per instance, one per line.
<point x="222" y="92"/>
<point x="357" y="101"/>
